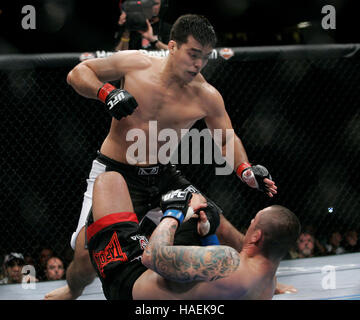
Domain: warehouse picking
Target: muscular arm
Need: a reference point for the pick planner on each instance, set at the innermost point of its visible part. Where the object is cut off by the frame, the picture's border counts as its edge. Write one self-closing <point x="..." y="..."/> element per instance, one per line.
<point x="187" y="263"/>
<point x="88" y="76"/>
<point x="217" y="118"/>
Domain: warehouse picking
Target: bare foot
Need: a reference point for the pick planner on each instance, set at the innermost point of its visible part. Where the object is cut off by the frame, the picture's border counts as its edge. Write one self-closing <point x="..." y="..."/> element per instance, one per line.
<point x="63" y="293"/>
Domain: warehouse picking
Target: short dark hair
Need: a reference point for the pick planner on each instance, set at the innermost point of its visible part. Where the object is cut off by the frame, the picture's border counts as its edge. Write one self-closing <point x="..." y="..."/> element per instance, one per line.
<point x="281" y="229"/>
<point x="193" y="25"/>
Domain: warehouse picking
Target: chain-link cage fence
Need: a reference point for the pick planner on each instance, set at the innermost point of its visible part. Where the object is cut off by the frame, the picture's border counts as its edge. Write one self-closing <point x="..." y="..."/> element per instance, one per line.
<point x="297" y="113"/>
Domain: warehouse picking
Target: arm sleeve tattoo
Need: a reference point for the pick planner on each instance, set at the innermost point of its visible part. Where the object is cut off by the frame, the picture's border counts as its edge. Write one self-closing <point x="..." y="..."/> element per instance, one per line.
<point x="187" y="263"/>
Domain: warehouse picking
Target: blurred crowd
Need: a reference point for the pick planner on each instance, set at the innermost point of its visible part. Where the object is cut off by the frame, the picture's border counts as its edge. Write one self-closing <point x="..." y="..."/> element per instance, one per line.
<point x="309" y="244"/>
<point x="46" y="266"/>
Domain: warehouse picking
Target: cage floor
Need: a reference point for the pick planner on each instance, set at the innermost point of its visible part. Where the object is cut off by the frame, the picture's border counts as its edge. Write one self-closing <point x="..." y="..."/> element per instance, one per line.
<point x="320" y="278"/>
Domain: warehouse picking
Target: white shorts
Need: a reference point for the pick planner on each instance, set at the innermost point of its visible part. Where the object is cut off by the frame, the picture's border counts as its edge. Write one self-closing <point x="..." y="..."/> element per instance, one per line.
<point x="96" y="169"/>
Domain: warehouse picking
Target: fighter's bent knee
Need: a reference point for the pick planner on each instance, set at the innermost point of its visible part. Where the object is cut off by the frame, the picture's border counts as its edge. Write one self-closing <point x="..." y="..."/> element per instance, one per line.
<point x="109" y="177"/>
<point x="110" y="194"/>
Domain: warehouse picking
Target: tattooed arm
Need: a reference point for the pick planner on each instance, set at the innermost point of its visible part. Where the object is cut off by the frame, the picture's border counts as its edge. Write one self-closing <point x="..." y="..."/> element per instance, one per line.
<point x="187" y="263"/>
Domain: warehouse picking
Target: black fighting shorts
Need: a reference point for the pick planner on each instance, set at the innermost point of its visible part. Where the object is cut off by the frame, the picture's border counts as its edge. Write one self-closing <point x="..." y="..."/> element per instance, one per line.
<point x="115" y="249"/>
<point x="147" y="184"/>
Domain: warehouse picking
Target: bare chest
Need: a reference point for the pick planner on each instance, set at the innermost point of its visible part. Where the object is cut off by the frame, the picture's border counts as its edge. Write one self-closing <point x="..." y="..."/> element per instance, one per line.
<point x="171" y="108"/>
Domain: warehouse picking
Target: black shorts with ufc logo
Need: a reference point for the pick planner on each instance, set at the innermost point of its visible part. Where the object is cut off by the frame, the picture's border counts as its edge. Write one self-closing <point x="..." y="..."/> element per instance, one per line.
<point x="115" y="249"/>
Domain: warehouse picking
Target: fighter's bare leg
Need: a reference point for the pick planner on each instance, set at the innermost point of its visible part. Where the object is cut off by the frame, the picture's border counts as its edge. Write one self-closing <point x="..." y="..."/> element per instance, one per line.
<point x="228" y="235"/>
<point x="79" y="274"/>
<point x="110" y="195"/>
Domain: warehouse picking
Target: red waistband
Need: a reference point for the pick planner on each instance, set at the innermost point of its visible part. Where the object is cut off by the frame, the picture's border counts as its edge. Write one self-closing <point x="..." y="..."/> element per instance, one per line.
<point x="108" y="220"/>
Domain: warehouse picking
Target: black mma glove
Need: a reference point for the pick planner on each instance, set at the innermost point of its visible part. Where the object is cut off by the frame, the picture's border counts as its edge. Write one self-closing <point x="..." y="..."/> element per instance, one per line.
<point x="175" y="204"/>
<point x="257" y="176"/>
<point x="120" y="103"/>
<point x="213" y="218"/>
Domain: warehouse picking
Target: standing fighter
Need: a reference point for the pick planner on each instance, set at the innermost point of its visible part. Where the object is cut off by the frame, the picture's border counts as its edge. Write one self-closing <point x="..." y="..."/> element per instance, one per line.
<point x="171" y="91"/>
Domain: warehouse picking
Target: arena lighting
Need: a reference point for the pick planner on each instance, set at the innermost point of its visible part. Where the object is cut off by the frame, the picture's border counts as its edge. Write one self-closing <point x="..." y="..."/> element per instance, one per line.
<point x="303" y="25"/>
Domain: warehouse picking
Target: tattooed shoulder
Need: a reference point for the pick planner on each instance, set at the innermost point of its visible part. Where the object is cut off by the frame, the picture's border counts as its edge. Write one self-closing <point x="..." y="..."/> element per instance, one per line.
<point x="219" y="262"/>
<point x="183" y="263"/>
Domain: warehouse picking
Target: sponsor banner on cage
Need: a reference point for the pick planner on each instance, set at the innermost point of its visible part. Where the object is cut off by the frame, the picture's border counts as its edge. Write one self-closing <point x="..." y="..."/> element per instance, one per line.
<point x="152" y="53"/>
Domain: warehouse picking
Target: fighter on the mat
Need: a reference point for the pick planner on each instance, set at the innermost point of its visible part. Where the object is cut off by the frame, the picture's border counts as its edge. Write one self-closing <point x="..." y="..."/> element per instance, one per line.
<point x="171" y="91"/>
<point x="130" y="267"/>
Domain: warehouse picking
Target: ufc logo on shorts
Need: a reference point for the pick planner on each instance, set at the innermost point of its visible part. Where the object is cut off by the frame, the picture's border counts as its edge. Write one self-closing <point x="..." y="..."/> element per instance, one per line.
<point x="120" y="96"/>
<point x="175" y="194"/>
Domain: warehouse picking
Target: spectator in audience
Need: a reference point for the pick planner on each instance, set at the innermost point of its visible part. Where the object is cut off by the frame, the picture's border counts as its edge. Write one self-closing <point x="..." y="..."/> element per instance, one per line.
<point x="55" y="269"/>
<point x="351" y="243"/>
<point x="147" y="39"/>
<point x="29" y="260"/>
<point x="13" y="264"/>
<point x="333" y="246"/>
<point x="45" y="254"/>
<point x="319" y="241"/>
<point x="305" y="245"/>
